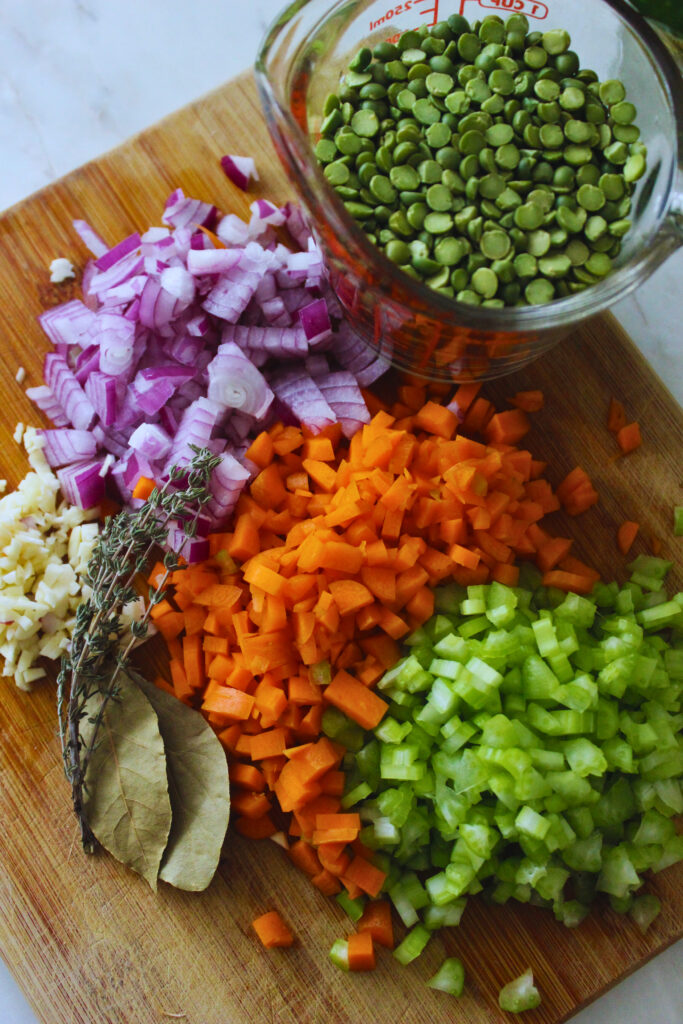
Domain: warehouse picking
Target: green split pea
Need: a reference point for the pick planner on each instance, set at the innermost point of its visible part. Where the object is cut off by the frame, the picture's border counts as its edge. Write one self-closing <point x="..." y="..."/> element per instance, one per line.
<point x="484" y="160"/>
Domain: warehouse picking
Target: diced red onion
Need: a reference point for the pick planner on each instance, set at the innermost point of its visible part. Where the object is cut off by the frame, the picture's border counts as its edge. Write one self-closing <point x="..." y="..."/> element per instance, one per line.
<point x="181" y="211"/>
<point x="68" y="324"/>
<point x="86" y="363"/>
<point x="151" y="441"/>
<point x="126" y="268"/>
<point x="233" y="230"/>
<point x="341" y="392"/>
<point x="240" y="169"/>
<point x="296" y="225"/>
<point x="276" y="341"/>
<point x="117" y="253"/>
<point x="81" y="483"/>
<point x="302" y="396"/>
<point x="68" y="391"/>
<point x="43" y="397"/>
<point x="235" y="382"/>
<point x="64" y="446"/>
<point x="212" y="261"/>
<point x="90" y="238"/>
<point x="316" y="322"/>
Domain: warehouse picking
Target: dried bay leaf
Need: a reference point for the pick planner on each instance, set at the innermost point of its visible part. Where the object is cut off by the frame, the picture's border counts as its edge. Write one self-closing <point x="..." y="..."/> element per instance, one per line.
<point x="199" y="789"/>
<point x="127" y="804"/>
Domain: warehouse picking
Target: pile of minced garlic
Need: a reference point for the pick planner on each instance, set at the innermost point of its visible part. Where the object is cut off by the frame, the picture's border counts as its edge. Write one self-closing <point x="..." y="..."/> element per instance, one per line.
<point x="45" y="545"/>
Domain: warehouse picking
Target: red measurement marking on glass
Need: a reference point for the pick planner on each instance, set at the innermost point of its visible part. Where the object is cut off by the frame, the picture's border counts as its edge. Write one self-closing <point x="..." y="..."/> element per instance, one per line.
<point x="416" y="7"/>
<point x="532" y="8"/>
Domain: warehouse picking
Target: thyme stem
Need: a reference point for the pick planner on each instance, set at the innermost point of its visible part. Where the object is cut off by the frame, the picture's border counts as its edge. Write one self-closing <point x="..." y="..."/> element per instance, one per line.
<point x="96" y="658"/>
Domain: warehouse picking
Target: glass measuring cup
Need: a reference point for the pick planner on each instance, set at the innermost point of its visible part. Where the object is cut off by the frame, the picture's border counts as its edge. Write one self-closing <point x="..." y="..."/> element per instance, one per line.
<point x="300" y="61"/>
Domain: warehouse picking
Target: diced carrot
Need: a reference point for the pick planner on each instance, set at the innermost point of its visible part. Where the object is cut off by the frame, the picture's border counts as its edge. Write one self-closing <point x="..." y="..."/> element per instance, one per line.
<point x="261" y="450"/>
<point x="272" y="930"/>
<point x="246" y="776"/>
<point x="626" y="534"/>
<point x="256" y="828"/>
<point x="355" y="700"/>
<point x="507" y="427"/>
<point x="629" y="437"/>
<point x="529" y="401"/>
<point x="365" y="875"/>
<point x="250" y="805"/>
<point x="376" y="919"/>
<point x="143" y="488"/>
<point x="361" y="952"/>
<point x="303" y="855"/>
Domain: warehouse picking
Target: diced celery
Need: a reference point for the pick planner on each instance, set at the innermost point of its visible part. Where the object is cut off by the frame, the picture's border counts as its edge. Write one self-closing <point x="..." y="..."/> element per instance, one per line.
<point x="447" y="916"/>
<point x="520" y="994"/>
<point x="391" y="731"/>
<point x="618" y="876"/>
<point x="584" y="854"/>
<point x="338" y="727"/>
<point x="501" y="603"/>
<point x="570" y="912"/>
<point x="451" y="646"/>
<point x="584" y="757"/>
<point x="531" y="823"/>
<point x="413" y="944"/>
<point x="645" y="909"/>
<point x="460" y="873"/>
<point x="355" y="795"/>
<point x="354" y="908"/>
<point x="450" y="977"/>
<point x="339" y="954"/>
<point x="654" y="828"/>
<point x="618" y="754"/>
<point x="579" y="693"/>
<point x="320" y="673"/>
<point x="538" y="680"/>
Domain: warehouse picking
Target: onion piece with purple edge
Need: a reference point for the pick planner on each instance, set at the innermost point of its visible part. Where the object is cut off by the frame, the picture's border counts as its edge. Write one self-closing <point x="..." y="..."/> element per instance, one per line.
<point x="212" y="261"/>
<point x="68" y="392"/>
<point x="90" y="238"/>
<point x="65" y="445"/>
<point x="341" y="392"/>
<point x="227" y="483"/>
<point x="299" y="393"/>
<point x="315" y="320"/>
<point x="68" y="324"/>
<point x="240" y="169"/>
<point x="122" y="249"/>
<point x="81" y="483"/>
<point x="151" y="441"/>
<point x="287" y="342"/>
<point x="181" y="211"/>
<point x="43" y="397"/>
<point x="235" y="382"/>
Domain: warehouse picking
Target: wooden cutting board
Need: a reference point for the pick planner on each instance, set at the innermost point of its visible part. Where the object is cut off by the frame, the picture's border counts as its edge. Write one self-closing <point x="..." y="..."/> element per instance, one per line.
<point x="86" y="939"/>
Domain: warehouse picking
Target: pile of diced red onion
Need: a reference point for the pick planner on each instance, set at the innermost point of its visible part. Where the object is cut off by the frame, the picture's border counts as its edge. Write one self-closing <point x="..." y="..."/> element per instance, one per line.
<point x="178" y="341"/>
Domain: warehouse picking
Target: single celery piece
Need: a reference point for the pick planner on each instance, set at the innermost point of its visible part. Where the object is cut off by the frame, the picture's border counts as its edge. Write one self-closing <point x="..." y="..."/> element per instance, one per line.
<point x="413" y="944"/>
<point x="339" y="954"/>
<point x="520" y="994"/>
<point x="450" y="977"/>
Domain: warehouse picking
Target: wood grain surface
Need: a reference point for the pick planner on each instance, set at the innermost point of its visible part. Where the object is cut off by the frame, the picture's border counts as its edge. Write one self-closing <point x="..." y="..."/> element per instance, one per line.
<point x="88" y="942"/>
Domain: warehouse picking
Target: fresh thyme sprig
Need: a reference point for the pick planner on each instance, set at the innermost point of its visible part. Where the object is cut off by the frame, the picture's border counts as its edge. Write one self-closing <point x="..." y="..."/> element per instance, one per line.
<point x="97" y="656"/>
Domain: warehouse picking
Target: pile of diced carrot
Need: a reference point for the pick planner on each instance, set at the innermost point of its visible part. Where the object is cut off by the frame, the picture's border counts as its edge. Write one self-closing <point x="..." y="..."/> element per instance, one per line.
<point x="332" y="557"/>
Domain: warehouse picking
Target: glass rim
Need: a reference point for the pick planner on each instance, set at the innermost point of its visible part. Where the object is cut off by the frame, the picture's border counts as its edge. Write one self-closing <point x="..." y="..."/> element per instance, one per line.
<point x="316" y="194"/>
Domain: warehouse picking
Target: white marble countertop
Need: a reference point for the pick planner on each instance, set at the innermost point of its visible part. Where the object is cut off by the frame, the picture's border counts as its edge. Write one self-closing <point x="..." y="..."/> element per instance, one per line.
<point x="77" y="77"/>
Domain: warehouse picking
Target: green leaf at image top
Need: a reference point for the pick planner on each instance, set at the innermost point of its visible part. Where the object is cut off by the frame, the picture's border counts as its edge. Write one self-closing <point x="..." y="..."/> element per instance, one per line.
<point x="127" y="803"/>
<point x="199" y="789"/>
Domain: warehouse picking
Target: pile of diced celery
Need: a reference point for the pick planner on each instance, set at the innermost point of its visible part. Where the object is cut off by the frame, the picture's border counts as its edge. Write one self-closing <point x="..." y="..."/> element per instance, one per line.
<point x="532" y="750"/>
